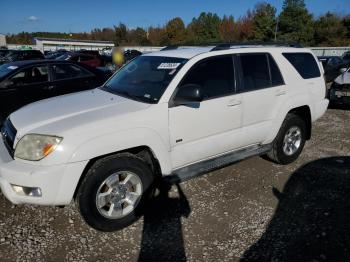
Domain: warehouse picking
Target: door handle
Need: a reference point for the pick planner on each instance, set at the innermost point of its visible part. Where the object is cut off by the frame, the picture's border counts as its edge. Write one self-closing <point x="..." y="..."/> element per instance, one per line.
<point x="281" y="92"/>
<point x="49" y="87"/>
<point x="234" y="102"/>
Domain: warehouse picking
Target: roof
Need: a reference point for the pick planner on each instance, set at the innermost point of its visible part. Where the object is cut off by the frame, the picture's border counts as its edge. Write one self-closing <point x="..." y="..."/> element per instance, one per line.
<point x="188" y="52"/>
<point x="72" y="40"/>
<point x="36" y="62"/>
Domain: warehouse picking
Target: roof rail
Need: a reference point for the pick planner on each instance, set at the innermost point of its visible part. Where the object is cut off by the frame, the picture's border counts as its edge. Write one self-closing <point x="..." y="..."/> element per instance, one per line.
<point x="169" y="47"/>
<point x="225" y="46"/>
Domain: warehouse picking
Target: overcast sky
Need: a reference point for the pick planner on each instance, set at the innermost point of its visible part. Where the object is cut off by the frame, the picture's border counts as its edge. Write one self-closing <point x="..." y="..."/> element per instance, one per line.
<point x="79" y="15"/>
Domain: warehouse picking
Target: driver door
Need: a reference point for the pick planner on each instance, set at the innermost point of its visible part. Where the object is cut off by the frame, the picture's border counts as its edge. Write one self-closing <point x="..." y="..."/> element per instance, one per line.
<point x="213" y="126"/>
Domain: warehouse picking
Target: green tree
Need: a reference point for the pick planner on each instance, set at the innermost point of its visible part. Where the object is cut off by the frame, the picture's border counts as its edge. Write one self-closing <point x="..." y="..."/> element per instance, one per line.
<point x="205" y="29"/>
<point x="264" y="22"/>
<point x="176" y="31"/>
<point x="295" y="23"/>
<point x="121" y="33"/>
<point x="228" y="32"/>
<point x="330" y="30"/>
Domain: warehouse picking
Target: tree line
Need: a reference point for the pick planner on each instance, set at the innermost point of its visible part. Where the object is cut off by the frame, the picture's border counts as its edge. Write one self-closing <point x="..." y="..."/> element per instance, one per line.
<point x="294" y="24"/>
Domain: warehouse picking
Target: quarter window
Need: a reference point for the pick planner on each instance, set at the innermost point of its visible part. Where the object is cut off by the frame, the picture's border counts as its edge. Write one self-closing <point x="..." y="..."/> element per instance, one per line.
<point x="304" y="63"/>
<point x="66" y="71"/>
<point x="214" y="75"/>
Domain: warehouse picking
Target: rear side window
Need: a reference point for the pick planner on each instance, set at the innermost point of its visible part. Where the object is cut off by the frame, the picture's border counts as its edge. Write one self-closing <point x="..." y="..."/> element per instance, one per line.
<point x="304" y="63"/>
<point x="66" y="71"/>
<point x="255" y="71"/>
<point x="214" y="75"/>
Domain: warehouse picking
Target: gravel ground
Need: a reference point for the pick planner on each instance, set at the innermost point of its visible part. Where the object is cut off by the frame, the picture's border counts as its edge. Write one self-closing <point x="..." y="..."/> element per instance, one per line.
<point x="251" y="211"/>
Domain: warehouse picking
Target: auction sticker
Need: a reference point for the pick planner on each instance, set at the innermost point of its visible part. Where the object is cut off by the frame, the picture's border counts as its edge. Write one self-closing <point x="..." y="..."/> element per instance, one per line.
<point x="168" y="65"/>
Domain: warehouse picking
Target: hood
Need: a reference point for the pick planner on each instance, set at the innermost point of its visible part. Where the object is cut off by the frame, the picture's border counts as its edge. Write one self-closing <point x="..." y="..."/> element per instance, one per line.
<point x="72" y="110"/>
<point x="343" y="79"/>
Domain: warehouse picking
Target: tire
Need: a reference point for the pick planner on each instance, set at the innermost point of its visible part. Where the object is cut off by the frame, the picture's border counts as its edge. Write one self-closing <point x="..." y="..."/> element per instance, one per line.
<point x="278" y="155"/>
<point x="96" y="185"/>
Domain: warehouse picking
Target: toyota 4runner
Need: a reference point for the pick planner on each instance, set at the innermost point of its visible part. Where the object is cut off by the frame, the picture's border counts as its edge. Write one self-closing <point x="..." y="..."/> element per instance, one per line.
<point x="175" y="113"/>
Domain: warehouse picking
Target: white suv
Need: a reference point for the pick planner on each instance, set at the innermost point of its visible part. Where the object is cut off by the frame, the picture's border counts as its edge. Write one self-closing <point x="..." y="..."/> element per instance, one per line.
<point x="176" y="113"/>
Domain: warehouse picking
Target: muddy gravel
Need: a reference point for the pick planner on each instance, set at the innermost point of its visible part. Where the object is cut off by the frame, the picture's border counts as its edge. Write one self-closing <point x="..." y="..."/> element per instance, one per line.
<point x="251" y="211"/>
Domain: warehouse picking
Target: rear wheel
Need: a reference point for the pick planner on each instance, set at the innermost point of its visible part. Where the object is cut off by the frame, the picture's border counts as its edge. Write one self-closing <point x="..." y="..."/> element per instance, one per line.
<point x="114" y="191"/>
<point x="290" y="140"/>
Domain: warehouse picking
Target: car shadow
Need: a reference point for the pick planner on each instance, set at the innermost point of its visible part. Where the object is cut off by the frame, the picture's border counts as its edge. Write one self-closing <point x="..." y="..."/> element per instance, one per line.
<point x="162" y="238"/>
<point x="312" y="219"/>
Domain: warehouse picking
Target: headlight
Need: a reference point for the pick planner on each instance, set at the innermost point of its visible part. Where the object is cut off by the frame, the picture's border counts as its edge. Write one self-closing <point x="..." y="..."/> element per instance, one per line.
<point x="34" y="147"/>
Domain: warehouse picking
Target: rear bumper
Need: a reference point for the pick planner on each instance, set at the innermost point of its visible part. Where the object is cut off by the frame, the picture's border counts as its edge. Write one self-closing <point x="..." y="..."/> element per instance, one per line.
<point x="57" y="183"/>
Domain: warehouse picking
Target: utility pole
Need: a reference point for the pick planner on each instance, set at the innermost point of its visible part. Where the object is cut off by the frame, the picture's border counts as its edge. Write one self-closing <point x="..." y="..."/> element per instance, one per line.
<point x="276" y="29"/>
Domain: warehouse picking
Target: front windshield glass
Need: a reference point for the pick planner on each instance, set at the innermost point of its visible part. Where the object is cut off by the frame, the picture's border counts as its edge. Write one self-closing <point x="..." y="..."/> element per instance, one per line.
<point x="145" y="78"/>
<point x="63" y="57"/>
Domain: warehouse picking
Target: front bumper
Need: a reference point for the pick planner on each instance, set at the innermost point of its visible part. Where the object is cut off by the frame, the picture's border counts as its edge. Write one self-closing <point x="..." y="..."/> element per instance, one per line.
<point x="337" y="96"/>
<point x="57" y="183"/>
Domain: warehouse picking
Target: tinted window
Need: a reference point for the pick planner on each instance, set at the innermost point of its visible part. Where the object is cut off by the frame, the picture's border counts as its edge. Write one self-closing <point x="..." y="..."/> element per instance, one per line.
<point x="214" y="75"/>
<point x="66" y="71"/>
<point x="276" y="77"/>
<point x="36" y="74"/>
<point x="145" y="78"/>
<point x="304" y="63"/>
<point x="255" y="71"/>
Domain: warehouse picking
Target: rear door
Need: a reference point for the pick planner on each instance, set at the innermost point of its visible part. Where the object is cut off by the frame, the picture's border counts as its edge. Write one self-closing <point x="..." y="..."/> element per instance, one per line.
<point x="263" y="92"/>
<point x="69" y="78"/>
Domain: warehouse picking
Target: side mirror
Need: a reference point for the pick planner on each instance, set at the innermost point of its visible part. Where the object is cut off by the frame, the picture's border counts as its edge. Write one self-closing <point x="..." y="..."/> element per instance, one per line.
<point x="188" y="94"/>
<point x="7" y="83"/>
<point x="343" y="70"/>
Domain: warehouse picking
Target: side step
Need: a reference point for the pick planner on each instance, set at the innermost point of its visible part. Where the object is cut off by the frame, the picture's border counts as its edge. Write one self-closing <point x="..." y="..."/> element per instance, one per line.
<point x="201" y="168"/>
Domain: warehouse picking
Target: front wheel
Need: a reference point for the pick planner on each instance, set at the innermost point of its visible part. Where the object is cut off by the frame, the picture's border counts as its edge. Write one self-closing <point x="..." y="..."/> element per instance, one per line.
<point x="290" y="140"/>
<point x="114" y="191"/>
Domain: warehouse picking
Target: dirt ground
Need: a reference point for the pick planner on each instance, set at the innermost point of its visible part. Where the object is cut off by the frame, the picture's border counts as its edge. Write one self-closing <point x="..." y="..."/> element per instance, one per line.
<point x="251" y="211"/>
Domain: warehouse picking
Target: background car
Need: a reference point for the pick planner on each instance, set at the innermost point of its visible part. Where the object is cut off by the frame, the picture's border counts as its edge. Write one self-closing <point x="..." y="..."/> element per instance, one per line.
<point x="20" y="55"/>
<point x="346" y="57"/>
<point x="332" y="66"/>
<point x="87" y="59"/>
<point x="27" y="81"/>
<point x="339" y="92"/>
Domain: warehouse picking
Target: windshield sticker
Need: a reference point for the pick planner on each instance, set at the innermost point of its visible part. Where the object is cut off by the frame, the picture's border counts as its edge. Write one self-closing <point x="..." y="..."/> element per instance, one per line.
<point x="12" y="67"/>
<point x="168" y="65"/>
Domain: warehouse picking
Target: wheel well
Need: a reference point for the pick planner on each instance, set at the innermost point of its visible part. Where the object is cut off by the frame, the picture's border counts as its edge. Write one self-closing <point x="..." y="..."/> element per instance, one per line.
<point x="143" y="152"/>
<point x="304" y="113"/>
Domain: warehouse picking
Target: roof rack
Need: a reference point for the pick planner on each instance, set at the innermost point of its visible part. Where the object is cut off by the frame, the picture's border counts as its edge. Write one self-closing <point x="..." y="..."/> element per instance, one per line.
<point x="225" y="46"/>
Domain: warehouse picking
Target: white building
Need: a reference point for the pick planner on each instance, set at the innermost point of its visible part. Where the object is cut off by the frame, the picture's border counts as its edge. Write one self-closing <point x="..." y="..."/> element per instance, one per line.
<point x="46" y="44"/>
<point x="2" y="40"/>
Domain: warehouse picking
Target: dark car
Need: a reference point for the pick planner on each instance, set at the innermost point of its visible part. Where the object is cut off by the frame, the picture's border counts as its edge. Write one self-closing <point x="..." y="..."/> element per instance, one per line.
<point x="27" y="81"/>
<point x="346" y="57"/>
<point x="131" y="54"/>
<point x="4" y="52"/>
<point x="20" y="55"/>
<point x="86" y="59"/>
<point x="332" y="66"/>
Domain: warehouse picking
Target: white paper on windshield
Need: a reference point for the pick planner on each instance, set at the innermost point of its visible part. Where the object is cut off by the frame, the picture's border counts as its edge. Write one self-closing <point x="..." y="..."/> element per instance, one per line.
<point x="12" y="67"/>
<point x="168" y="65"/>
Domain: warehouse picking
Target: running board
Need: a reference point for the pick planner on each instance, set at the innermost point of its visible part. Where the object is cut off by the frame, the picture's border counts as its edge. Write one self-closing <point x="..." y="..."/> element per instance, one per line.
<point x="201" y="168"/>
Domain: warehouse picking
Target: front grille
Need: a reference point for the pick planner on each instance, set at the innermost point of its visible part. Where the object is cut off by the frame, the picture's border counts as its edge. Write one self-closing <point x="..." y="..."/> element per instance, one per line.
<point x="8" y="132"/>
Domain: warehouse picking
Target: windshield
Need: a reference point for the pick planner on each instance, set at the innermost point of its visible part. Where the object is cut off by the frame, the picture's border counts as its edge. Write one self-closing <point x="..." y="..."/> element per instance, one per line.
<point x="145" y="78"/>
